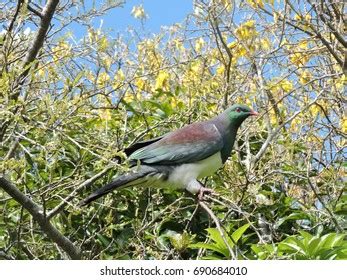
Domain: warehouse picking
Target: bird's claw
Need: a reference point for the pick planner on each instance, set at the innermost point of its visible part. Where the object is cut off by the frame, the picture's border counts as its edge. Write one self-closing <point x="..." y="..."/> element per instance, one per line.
<point x="204" y="191"/>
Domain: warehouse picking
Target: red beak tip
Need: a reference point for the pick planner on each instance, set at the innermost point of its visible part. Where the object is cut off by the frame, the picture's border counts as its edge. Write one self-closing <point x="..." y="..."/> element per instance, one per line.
<point x="254" y="113"/>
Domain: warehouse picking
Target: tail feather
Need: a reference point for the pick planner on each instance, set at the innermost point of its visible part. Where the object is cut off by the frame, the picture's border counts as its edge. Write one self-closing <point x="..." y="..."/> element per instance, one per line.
<point x="130" y="179"/>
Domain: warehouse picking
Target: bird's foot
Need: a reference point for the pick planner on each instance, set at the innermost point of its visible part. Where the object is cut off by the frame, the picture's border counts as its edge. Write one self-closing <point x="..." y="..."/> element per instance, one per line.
<point x="204" y="191"/>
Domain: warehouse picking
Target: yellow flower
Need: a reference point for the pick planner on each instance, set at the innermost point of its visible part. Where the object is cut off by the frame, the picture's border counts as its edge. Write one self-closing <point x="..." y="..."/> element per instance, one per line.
<point x="220" y="70"/>
<point x="139" y="12"/>
<point x="140" y="84"/>
<point x="178" y="44"/>
<point x="61" y="51"/>
<point x="295" y="124"/>
<point x="256" y="3"/>
<point x="253" y="87"/>
<point x="308" y="17"/>
<point x="41" y="72"/>
<point x="300" y="57"/>
<point x="118" y="79"/>
<point x="239" y="51"/>
<point x="199" y="44"/>
<point x="275" y="17"/>
<point x="265" y="44"/>
<point x="195" y="66"/>
<point x="232" y="45"/>
<point x="128" y="97"/>
<point x="89" y="75"/>
<point x="272" y="115"/>
<point x="305" y="77"/>
<point x="162" y="80"/>
<point x="298" y="17"/>
<point x="303" y="45"/>
<point x="106" y="62"/>
<point x="105" y="115"/>
<point x="103" y="43"/>
<point x="246" y="30"/>
<point x="227" y="4"/>
<point x="120" y="75"/>
<point x="314" y="110"/>
<point x="341" y="82"/>
<point x="286" y="85"/>
<point x="102" y="80"/>
<point x="214" y="84"/>
<point x="344" y="125"/>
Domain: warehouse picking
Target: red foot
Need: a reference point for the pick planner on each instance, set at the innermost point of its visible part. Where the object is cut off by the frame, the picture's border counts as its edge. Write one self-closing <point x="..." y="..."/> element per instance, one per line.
<point x="204" y="191"/>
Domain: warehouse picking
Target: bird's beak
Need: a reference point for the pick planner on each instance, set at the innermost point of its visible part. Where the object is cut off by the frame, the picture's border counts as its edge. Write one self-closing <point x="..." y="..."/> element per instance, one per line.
<point x="254" y="113"/>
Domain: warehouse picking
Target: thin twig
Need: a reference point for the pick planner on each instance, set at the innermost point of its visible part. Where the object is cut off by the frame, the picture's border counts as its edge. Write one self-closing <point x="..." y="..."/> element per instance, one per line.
<point x="86" y="183"/>
<point x="219" y="228"/>
<point x="313" y="188"/>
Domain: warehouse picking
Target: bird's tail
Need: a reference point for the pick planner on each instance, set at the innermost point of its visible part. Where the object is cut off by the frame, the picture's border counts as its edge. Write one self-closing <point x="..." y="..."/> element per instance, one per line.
<point x="130" y="179"/>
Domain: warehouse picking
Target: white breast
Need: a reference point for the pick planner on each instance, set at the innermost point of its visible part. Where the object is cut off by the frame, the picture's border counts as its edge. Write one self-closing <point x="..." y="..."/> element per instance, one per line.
<point x="183" y="174"/>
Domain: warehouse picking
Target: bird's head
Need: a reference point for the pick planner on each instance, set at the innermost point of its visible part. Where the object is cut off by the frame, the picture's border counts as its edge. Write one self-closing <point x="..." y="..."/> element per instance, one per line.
<point x="238" y="113"/>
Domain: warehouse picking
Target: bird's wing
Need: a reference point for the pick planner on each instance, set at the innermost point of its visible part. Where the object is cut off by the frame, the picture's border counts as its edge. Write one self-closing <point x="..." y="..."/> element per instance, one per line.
<point x="192" y="143"/>
<point x="138" y="145"/>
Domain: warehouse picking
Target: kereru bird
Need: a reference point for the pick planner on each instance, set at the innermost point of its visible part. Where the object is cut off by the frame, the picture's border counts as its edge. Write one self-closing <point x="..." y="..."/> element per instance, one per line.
<point x="179" y="158"/>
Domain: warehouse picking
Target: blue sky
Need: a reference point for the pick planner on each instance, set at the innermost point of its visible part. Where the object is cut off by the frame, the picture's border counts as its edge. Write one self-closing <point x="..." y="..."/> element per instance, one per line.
<point x="161" y="12"/>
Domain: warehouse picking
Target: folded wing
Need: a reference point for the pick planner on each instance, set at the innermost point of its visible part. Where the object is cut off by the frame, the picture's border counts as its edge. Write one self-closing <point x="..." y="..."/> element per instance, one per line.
<point x="191" y="143"/>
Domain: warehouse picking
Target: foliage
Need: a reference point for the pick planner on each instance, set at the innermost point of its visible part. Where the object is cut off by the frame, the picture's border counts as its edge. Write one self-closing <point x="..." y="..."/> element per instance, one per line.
<point x="67" y="114"/>
<point x="219" y="245"/>
<point x="306" y="247"/>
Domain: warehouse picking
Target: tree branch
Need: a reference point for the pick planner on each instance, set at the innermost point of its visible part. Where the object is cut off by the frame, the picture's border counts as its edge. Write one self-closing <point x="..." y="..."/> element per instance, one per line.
<point x="47" y="15"/>
<point x="313" y="33"/>
<point x="314" y="190"/>
<point x="20" y="2"/>
<point x="63" y="242"/>
<point x="272" y="135"/>
<point x="34" y="11"/>
<point x="4" y="256"/>
<point x="216" y="221"/>
<point x="86" y="183"/>
<point x="319" y="12"/>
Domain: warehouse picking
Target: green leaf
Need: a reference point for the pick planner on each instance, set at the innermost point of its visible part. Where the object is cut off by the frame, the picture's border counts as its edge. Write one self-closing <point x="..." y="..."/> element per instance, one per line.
<point x="293" y="216"/>
<point x="179" y="241"/>
<point x="263" y="251"/>
<point x="104" y="241"/>
<point x="292" y="244"/>
<point x="313" y="246"/>
<point x="238" y="233"/>
<point x="331" y="240"/>
<point x="290" y="248"/>
<point x="212" y="257"/>
<point x="307" y="237"/>
<point x="215" y="235"/>
<point x="209" y="246"/>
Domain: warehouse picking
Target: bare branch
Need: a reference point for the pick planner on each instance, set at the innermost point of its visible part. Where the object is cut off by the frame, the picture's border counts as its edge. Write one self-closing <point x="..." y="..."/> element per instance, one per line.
<point x="47" y="15"/>
<point x="20" y="2"/>
<point x="36" y="12"/>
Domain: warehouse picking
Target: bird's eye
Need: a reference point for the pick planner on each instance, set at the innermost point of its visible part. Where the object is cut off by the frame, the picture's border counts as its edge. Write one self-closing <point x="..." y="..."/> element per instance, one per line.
<point x="238" y="110"/>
